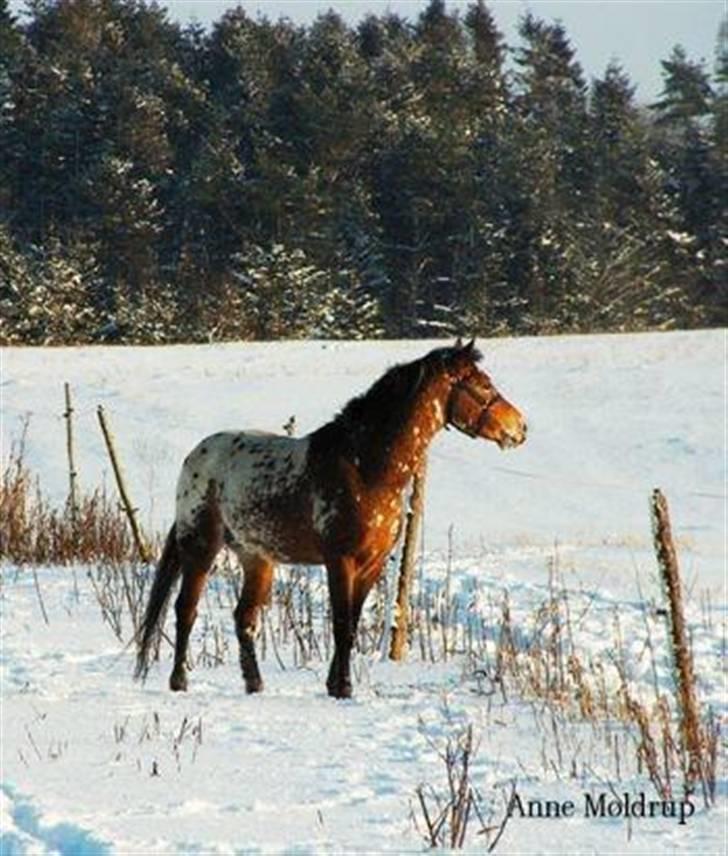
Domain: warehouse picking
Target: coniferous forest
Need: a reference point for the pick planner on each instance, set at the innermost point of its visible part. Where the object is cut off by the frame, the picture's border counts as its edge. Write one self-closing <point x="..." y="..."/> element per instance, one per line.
<point x="257" y="179"/>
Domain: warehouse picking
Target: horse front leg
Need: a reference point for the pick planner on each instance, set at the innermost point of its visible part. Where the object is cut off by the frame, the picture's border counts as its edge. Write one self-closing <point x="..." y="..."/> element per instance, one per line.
<point x="341" y="574"/>
<point x="349" y="586"/>
<point x="256" y="591"/>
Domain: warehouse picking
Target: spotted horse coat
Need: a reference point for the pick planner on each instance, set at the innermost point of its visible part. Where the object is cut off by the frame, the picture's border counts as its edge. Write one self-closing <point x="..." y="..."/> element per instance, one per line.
<point x="333" y="497"/>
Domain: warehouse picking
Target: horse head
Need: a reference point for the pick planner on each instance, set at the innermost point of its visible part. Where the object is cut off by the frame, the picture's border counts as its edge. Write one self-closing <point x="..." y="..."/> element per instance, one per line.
<point x="475" y="407"/>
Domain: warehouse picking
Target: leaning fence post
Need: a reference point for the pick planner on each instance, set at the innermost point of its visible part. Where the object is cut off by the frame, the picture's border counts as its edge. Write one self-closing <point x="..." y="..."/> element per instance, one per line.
<point x="400" y="631"/>
<point x="72" y="473"/>
<point x="682" y="658"/>
<point x="125" y="501"/>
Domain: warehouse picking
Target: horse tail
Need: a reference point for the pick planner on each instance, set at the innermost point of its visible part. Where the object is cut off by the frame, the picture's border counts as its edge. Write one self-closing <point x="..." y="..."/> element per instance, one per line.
<point x="168" y="571"/>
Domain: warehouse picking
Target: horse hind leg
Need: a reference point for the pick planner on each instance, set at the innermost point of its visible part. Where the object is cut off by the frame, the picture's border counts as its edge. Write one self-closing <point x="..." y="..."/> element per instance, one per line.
<point x="256" y="591"/>
<point x="197" y="550"/>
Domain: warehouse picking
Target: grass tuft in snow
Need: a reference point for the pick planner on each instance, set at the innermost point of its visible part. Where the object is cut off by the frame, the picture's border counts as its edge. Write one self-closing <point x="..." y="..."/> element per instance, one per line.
<point x="35" y="532"/>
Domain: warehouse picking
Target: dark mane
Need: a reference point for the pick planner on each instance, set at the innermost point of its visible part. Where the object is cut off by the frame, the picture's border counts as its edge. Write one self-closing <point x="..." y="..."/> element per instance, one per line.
<point x="368" y="423"/>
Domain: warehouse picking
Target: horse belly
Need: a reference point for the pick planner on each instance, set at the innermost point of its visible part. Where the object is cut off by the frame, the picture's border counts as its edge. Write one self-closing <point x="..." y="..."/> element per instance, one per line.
<point x="274" y="527"/>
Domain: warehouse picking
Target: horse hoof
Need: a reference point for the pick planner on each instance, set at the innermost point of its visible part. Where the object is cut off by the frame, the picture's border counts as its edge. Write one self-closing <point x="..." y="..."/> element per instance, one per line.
<point x="178" y="683"/>
<point x="340" y="690"/>
<point x="254" y="686"/>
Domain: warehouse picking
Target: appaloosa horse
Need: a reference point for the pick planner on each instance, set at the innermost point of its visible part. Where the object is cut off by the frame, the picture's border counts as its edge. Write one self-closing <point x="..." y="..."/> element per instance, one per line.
<point x="333" y="497"/>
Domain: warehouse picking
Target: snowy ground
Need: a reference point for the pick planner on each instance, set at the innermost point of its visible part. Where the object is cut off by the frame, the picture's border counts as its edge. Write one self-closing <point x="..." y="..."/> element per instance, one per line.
<point x="292" y="771"/>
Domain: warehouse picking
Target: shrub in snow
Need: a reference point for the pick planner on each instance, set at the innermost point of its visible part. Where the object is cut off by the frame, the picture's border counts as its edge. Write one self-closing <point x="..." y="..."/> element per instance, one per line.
<point x="47" y="297"/>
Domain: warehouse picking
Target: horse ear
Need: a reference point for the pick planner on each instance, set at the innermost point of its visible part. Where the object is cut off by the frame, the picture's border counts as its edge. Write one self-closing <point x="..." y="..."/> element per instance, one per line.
<point x="459" y="342"/>
<point x="470" y="347"/>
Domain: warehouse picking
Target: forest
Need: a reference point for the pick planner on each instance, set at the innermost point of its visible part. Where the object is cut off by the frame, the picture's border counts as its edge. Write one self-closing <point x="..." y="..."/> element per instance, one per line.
<point x="401" y="178"/>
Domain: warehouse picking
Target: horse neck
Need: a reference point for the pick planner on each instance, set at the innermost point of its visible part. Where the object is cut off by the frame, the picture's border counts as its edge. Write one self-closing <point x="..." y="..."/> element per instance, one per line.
<point x="405" y="449"/>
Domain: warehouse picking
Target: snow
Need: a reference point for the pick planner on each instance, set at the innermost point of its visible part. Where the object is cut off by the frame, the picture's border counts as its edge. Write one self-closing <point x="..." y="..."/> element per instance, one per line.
<point x="95" y="763"/>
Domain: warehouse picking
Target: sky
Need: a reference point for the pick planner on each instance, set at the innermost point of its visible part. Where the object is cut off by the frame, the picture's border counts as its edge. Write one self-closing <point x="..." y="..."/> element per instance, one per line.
<point x="637" y="33"/>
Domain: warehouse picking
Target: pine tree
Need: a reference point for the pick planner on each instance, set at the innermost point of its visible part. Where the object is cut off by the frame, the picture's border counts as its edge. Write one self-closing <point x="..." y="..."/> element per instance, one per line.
<point x="715" y="263"/>
<point x="720" y="96"/>
<point x="481" y="272"/>
<point x="99" y="87"/>
<point x="689" y="152"/>
<point x="549" y="171"/>
<point x="11" y="141"/>
<point x="437" y="68"/>
<point x="686" y="91"/>
<point x="281" y="294"/>
<point x="47" y="295"/>
<point x="619" y="146"/>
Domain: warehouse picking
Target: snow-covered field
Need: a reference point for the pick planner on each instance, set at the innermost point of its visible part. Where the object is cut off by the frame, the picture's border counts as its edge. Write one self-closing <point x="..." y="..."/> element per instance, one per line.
<point x="94" y="763"/>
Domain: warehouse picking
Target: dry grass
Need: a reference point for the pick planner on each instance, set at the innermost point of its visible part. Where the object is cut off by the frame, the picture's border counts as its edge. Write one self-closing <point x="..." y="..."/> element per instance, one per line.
<point x="95" y="533"/>
<point x="36" y="533"/>
<point x="549" y="669"/>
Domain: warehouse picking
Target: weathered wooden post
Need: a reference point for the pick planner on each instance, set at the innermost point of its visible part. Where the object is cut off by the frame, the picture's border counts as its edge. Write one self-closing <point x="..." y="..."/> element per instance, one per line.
<point x="141" y="546"/>
<point x="690" y="726"/>
<point x="400" y="631"/>
<point x="72" y="473"/>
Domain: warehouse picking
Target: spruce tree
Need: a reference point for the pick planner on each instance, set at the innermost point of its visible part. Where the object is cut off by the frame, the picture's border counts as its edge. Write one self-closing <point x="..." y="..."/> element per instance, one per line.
<point x="550" y="172"/>
<point x="688" y="150"/>
<point x="686" y="93"/>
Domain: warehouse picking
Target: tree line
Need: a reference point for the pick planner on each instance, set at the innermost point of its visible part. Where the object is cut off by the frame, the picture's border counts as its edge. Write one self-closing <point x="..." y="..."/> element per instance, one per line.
<point x="260" y="179"/>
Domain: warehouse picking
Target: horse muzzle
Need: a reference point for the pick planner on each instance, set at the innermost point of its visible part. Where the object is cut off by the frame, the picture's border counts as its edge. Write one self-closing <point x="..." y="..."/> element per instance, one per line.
<point x="504" y="425"/>
<point x="509" y="440"/>
<point x="491" y="418"/>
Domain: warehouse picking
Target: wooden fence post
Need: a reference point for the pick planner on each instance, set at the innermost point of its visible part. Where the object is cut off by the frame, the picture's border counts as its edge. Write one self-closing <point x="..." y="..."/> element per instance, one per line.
<point x="72" y="473"/>
<point x="690" y="726"/>
<point x="400" y="631"/>
<point x="141" y="546"/>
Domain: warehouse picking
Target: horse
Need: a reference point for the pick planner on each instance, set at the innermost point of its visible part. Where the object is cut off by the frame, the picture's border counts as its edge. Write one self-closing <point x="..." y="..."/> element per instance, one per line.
<point x="332" y="497"/>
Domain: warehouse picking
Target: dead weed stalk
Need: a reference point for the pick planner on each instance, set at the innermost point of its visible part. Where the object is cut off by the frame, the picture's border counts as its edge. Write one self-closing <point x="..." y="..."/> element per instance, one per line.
<point x="34" y="532"/>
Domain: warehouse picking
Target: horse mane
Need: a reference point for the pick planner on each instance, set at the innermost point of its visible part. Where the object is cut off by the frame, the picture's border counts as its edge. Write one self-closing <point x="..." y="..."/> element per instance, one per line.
<point x="368" y="423"/>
